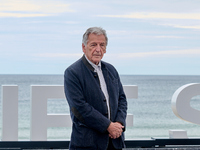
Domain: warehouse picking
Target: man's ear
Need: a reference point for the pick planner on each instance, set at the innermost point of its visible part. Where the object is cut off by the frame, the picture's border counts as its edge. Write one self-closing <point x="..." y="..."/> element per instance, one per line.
<point x="83" y="48"/>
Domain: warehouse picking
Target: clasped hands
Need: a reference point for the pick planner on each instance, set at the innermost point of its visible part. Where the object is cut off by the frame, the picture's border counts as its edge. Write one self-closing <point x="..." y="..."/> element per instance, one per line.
<point x="115" y="130"/>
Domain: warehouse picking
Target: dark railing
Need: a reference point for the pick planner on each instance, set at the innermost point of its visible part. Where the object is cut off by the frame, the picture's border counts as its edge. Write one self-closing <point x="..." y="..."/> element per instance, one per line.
<point x="151" y="143"/>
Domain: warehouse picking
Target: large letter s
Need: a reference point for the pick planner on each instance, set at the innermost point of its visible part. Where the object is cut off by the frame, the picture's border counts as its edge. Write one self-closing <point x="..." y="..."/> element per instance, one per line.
<point x="181" y="103"/>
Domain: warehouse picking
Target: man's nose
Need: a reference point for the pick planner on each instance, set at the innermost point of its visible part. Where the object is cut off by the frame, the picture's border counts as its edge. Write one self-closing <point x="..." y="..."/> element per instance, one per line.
<point x="98" y="48"/>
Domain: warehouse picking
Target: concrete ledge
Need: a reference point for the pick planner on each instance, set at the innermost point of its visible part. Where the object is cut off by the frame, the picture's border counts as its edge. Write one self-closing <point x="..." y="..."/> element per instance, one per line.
<point x="178" y="134"/>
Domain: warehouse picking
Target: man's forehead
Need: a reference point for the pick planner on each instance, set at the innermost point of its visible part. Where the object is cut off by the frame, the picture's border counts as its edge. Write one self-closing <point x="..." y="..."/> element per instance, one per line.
<point x="94" y="37"/>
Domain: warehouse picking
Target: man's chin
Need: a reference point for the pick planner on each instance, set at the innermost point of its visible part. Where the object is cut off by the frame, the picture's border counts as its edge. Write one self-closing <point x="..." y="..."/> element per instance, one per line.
<point x="96" y="61"/>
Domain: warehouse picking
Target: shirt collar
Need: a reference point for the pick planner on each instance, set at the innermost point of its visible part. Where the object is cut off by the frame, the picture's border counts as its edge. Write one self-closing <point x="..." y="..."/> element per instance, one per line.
<point x="93" y="65"/>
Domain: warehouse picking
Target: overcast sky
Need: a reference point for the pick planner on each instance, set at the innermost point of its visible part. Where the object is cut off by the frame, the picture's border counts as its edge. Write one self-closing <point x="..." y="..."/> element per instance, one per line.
<point x="146" y="37"/>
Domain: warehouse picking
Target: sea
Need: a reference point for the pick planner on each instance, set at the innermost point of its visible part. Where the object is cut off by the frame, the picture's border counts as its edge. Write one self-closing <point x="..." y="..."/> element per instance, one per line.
<point x="152" y="111"/>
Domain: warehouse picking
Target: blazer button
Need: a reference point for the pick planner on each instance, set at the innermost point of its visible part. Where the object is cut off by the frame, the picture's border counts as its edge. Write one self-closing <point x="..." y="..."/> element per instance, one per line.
<point x="104" y="100"/>
<point x="95" y="75"/>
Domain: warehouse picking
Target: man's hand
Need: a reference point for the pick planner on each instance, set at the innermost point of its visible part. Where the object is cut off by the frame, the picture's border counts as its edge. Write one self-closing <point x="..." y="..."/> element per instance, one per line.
<point x="115" y="130"/>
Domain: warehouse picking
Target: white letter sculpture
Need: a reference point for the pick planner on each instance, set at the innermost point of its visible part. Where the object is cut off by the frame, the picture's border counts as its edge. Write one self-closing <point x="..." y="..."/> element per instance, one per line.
<point x="131" y="91"/>
<point x="40" y="120"/>
<point x="10" y="113"/>
<point x="181" y="103"/>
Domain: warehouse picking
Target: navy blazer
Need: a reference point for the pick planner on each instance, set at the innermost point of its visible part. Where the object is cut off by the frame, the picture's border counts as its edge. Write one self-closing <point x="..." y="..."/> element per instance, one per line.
<point x="88" y="106"/>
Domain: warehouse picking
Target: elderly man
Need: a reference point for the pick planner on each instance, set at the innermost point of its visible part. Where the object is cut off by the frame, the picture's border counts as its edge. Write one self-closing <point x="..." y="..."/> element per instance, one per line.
<point x="96" y="98"/>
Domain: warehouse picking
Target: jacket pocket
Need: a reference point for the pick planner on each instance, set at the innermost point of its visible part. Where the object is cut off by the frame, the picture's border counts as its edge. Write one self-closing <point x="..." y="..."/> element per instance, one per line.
<point x="84" y="136"/>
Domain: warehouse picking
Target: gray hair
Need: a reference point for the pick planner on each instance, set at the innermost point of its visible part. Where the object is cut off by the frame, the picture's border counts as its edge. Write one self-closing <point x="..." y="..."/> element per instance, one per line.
<point x="94" y="30"/>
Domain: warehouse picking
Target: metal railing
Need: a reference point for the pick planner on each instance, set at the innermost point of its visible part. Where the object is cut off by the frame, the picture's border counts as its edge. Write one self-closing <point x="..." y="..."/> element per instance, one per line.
<point x="151" y="143"/>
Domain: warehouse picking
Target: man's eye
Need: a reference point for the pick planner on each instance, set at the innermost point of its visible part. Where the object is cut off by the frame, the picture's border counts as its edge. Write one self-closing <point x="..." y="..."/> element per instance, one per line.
<point x="93" y="44"/>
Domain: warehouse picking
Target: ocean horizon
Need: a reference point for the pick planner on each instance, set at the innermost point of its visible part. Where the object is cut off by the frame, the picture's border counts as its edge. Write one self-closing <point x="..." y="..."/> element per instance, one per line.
<point x="153" y="115"/>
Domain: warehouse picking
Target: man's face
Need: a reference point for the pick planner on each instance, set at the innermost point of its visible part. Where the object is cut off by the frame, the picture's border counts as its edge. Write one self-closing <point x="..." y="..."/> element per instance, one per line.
<point x="95" y="48"/>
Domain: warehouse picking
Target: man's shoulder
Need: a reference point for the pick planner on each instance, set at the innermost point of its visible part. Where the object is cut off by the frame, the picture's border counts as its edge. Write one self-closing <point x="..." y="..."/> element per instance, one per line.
<point x="107" y="65"/>
<point x="76" y="64"/>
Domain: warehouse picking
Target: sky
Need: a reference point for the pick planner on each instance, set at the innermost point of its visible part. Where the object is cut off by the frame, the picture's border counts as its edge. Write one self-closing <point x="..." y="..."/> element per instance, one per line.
<point x="145" y="37"/>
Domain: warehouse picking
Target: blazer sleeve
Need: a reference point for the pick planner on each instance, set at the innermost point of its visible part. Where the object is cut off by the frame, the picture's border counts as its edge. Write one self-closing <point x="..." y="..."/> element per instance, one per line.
<point x="122" y="107"/>
<point x="122" y="101"/>
<point x="81" y="111"/>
